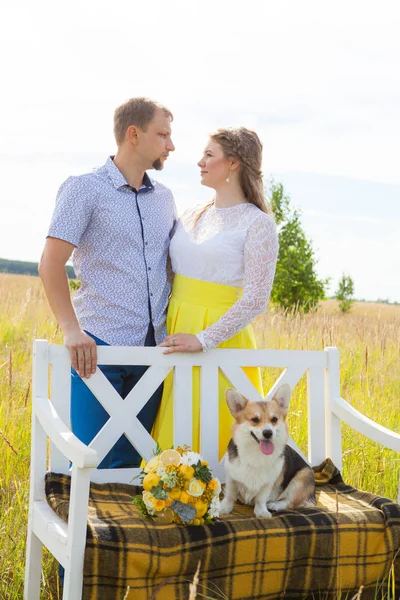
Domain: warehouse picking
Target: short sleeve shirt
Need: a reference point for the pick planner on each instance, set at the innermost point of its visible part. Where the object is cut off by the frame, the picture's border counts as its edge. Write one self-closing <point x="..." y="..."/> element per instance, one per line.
<point x="121" y="238"/>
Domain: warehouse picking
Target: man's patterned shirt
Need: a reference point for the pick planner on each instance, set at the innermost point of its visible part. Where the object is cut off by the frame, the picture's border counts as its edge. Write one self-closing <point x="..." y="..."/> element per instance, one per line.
<point x="122" y="239"/>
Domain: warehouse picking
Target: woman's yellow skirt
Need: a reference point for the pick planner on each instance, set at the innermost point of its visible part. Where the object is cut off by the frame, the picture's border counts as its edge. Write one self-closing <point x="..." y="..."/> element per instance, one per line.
<point x="195" y="305"/>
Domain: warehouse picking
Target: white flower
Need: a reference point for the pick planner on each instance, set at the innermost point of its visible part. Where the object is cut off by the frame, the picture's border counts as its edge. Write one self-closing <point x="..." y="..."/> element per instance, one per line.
<point x="190" y="458"/>
<point x="161" y="471"/>
<point x="170" y="479"/>
<point x="149" y="501"/>
<point x="195" y="488"/>
<point x="214" y="509"/>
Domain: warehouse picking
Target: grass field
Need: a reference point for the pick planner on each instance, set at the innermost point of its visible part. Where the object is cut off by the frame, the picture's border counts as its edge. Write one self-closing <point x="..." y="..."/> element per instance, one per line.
<point x="369" y="341"/>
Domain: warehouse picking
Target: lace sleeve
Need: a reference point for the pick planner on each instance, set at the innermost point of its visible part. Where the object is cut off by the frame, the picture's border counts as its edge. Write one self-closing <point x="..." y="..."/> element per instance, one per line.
<point x="260" y="255"/>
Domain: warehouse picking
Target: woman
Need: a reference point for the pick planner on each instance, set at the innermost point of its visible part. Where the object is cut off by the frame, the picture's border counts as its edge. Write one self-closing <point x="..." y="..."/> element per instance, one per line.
<point x="223" y="256"/>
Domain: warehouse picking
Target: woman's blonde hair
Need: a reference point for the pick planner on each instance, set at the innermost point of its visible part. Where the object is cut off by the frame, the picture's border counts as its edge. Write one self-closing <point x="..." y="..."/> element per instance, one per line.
<point x="244" y="145"/>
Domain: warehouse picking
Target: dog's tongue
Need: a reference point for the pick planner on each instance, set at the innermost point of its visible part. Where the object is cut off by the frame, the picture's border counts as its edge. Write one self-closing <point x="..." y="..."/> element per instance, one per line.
<point x="266" y="446"/>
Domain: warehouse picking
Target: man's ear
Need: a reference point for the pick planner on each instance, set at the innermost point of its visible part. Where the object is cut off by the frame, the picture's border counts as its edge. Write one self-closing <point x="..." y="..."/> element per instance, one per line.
<point x="132" y="134"/>
<point x="235" y="401"/>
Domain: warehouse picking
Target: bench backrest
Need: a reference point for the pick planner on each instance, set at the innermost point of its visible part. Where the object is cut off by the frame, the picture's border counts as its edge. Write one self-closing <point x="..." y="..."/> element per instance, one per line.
<point x="321" y="368"/>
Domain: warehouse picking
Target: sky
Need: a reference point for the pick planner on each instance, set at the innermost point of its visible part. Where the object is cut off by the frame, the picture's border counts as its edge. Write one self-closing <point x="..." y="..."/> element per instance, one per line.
<point x="319" y="82"/>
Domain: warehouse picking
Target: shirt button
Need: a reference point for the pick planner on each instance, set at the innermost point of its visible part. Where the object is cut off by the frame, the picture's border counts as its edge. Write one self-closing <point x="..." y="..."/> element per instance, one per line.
<point x="146" y="243"/>
<point x="151" y="293"/>
<point x="149" y="268"/>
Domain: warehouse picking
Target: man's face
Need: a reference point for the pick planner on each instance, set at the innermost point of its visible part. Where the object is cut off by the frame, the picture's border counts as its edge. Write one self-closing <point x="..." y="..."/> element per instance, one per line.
<point x="155" y="143"/>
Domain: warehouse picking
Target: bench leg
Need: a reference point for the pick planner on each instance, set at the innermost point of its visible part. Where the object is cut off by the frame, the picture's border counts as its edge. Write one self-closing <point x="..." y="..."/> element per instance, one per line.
<point x="73" y="580"/>
<point x="33" y="567"/>
<point x="77" y="526"/>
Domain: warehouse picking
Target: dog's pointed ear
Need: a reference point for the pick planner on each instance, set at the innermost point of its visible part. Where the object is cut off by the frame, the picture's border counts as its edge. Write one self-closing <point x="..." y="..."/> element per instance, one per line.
<point x="282" y="397"/>
<point x="235" y="401"/>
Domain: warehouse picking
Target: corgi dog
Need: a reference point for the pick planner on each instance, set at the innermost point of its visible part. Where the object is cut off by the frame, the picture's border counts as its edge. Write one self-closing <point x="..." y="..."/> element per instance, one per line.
<point x="261" y="469"/>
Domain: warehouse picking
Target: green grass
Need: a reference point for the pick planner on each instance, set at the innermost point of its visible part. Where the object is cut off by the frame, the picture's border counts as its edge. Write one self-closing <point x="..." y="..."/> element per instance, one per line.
<point x="368" y="338"/>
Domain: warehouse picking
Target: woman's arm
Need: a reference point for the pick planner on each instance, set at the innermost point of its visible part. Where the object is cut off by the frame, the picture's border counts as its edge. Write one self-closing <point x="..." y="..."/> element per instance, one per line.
<point x="260" y="255"/>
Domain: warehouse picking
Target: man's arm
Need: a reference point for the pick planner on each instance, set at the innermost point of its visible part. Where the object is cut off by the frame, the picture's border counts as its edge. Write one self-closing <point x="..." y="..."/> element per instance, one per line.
<point x="52" y="272"/>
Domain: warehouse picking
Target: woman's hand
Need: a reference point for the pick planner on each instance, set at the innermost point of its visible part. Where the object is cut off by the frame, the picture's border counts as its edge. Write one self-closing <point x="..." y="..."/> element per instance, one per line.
<point x="181" y="342"/>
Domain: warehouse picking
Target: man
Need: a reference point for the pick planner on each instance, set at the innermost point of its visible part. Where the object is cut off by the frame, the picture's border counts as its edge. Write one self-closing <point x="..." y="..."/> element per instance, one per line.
<point x="116" y="222"/>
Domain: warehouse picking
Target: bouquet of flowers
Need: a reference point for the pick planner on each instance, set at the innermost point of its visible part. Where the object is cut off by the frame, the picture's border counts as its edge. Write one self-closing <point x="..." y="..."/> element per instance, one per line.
<point x="179" y="487"/>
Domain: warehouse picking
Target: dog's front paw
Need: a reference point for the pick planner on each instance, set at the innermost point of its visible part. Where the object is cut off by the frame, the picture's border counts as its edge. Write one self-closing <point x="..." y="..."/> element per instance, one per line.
<point x="262" y="512"/>
<point x="278" y="505"/>
<point x="226" y="507"/>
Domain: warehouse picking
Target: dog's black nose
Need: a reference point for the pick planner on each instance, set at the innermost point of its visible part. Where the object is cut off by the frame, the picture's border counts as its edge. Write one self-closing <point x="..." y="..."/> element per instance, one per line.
<point x="267" y="433"/>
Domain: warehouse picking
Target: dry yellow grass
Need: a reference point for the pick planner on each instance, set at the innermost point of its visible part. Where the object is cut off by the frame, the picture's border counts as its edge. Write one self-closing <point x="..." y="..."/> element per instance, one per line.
<point x="369" y="341"/>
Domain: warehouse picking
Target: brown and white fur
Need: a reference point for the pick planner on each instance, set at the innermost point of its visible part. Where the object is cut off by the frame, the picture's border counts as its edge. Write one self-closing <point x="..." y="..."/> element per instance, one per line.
<point x="261" y="469"/>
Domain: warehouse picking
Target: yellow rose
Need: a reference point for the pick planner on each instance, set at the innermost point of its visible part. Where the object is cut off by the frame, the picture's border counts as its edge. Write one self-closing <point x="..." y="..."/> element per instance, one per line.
<point x="159" y="505"/>
<point x="201" y="509"/>
<point x="184" y="498"/>
<point x="196" y="488"/>
<point x="150" y="481"/>
<point x="175" y="493"/>
<point x="186" y="471"/>
<point x="204" y="463"/>
<point x="152" y="465"/>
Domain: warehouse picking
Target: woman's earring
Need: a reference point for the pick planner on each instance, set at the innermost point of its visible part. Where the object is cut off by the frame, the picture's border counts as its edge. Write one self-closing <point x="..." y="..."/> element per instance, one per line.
<point x="228" y="178"/>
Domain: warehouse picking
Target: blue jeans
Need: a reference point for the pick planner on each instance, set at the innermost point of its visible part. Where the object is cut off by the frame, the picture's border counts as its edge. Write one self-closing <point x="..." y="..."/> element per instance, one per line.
<point x="88" y="416"/>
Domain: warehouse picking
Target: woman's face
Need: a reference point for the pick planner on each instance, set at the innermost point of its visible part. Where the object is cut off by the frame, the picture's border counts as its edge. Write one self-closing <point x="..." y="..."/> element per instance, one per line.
<point x="214" y="166"/>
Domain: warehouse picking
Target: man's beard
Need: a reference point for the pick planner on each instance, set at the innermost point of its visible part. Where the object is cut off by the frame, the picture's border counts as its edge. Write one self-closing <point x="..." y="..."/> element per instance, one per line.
<point x="158" y="165"/>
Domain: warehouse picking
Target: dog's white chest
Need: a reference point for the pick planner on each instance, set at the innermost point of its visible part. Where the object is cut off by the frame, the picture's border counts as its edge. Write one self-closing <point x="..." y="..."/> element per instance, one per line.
<point x="251" y="478"/>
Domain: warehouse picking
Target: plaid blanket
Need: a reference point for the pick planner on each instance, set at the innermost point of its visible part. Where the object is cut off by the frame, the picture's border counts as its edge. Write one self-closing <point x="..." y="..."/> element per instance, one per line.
<point x="350" y="539"/>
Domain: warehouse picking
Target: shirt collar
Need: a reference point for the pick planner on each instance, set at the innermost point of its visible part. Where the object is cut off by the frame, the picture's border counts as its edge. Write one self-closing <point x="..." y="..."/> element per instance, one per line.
<point x="119" y="181"/>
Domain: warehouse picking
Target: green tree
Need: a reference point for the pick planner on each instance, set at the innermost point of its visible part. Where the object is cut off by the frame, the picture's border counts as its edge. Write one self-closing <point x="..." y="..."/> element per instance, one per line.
<point x="297" y="285"/>
<point x="344" y="293"/>
<point x="21" y="267"/>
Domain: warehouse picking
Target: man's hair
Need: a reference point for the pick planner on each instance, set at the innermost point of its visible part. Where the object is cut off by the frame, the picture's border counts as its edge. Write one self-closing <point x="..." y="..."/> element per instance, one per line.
<point x="138" y="112"/>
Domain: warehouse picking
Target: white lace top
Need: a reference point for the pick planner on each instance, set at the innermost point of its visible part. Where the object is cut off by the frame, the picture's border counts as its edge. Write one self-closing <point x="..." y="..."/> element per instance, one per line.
<point x="236" y="246"/>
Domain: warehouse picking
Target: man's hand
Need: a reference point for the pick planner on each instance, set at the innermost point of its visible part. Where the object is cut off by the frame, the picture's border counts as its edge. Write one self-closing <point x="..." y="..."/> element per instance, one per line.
<point x="81" y="347"/>
<point x="83" y="351"/>
<point x="181" y="342"/>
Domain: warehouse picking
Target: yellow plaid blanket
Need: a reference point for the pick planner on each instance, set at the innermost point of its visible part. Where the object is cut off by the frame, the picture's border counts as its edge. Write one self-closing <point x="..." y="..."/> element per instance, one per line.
<point x="350" y="539"/>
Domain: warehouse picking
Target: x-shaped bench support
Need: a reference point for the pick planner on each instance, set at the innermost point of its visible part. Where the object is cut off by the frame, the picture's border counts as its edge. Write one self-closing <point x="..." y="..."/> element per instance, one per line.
<point x="123" y="412"/>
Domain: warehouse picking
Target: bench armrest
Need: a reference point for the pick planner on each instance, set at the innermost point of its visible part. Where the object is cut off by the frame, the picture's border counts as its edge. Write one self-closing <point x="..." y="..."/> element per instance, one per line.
<point x="61" y="435"/>
<point x="364" y="425"/>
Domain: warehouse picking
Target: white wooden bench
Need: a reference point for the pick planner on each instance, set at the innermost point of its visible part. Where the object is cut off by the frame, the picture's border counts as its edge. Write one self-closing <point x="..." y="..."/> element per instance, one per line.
<point x="51" y="421"/>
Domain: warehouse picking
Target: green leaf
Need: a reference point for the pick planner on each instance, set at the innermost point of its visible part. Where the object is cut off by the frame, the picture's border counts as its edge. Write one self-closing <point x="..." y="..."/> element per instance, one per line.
<point x="202" y="472"/>
<point x="159" y="492"/>
<point x="158" y="450"/>
<point x="186" y="512"/>
<point x="139" y="502"/>
<point x="139" y="475"/>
